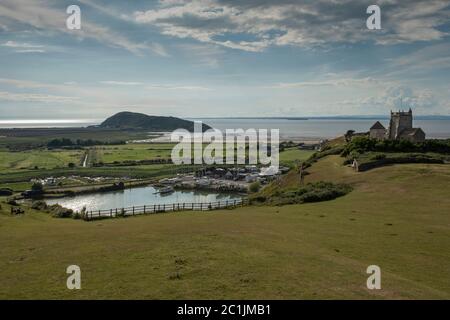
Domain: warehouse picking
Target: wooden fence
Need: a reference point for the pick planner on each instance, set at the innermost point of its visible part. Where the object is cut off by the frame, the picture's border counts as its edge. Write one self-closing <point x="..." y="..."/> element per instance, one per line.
<point x="160" y="208"/>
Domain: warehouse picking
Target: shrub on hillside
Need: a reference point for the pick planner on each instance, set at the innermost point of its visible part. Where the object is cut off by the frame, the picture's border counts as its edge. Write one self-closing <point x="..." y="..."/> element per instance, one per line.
<point x="39" y="205"/>
<point x="254" y="187"/>
<point x="379" y="156"/>
<point x="11" y="202"/>
<point x="59" y="211"/>
<point x="312" y="192"/>
<point x="364" y="144"/>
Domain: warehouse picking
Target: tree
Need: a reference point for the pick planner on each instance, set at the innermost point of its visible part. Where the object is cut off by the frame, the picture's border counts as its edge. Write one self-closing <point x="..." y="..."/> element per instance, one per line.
<point x="37" y="187"/>
<point x="348" y="135"/>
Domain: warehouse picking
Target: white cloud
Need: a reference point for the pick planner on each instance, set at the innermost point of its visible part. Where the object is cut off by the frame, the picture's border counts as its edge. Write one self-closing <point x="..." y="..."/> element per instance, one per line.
<point x="121" y="83"/>
<point x="24" y="47"/>
<point x="34" y="97"/>
<point x="262" y="23"/>
<point x="176" y="87"/>
<point x="422" y="101"/>
<point x="13" y="44"/>
<point x="208" y="55"/>
<point x="326" y="83"/>
<point x="41" y="16"/>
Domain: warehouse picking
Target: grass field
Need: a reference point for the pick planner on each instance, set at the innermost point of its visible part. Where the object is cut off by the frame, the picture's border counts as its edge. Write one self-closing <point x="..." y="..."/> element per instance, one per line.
<point x="290" y="156"/>
<point x="134" y="152"/>
<point x="397" y="217"/>
<point x="145" y="151"/>
<point x="42" y="158"/>
<point x="30" y="138"/>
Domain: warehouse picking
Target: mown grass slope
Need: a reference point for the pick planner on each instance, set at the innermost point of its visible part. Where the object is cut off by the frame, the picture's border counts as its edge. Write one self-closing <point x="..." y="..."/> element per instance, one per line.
<point x="396" y="217"/>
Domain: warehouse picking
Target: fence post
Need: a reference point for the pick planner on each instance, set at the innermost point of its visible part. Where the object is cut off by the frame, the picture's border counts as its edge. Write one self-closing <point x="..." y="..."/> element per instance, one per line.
<point x="110" y="212"/>
<point x="133" y="210"/>
<point x="144" y="209"/>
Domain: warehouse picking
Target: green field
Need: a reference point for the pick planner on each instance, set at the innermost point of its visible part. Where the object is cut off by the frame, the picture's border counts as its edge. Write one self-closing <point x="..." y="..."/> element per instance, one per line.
<point x="292" y="155"/>
<point x="397" y="217"/>
<point x="134" y="152"/>
<point x="12" y="161"/>
<point x="17" y="168"/>
<point x="31" y="138"/>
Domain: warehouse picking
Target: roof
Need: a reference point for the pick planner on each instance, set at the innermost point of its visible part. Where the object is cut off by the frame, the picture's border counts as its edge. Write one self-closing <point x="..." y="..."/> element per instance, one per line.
<point x="411" y="132"/>
<point x="377" y="125"/>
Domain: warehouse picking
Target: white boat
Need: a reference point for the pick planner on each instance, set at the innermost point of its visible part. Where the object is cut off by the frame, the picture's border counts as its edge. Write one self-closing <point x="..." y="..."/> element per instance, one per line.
<point x="166" y="190"/>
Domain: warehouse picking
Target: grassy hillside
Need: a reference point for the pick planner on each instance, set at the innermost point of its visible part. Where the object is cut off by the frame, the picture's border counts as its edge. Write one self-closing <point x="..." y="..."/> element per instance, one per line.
<point x="396" y="217"/>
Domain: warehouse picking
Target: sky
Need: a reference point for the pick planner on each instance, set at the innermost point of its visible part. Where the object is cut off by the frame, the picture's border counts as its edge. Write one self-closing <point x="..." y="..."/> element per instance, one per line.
<point x="215" y="58"/>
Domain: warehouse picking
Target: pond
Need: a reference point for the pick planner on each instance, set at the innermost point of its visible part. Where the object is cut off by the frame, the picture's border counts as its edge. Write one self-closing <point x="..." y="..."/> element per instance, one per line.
<point x="139" y="196"/>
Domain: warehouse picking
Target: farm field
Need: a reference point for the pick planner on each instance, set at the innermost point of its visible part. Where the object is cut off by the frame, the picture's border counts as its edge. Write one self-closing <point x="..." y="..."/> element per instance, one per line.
<point x="145" y="151"/>
<point x="29" y="138"/>
<point x="313" y="251"/>
<point x="133" y="152"/>
<point x="41" y="158"/>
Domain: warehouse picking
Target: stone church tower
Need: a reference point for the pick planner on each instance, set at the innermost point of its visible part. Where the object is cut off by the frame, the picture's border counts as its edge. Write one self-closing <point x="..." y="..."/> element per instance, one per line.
<point x="400" y="121"/>
<point x="400" y="127"/>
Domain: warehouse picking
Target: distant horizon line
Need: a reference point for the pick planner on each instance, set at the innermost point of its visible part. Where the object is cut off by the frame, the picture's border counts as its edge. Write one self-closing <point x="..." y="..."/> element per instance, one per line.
<point x="301" y="118"/>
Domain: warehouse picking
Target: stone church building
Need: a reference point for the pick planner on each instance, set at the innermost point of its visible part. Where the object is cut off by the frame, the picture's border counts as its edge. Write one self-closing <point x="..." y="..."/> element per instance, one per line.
<point x="400" y="128"/>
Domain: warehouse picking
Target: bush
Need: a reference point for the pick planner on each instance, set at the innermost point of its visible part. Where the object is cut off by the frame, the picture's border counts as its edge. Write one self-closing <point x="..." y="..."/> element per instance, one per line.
<point x="363" y="144"/>
<point x="39" y="205"/>
<point x="254" y="187"/>
<point x="37" y="187"/>
<point x="312" y="192"/>
<point x="6" y="192"/>
<point x="58" y="211"/>
<point x="379" y="156"/>
<point x="11" y="202"/>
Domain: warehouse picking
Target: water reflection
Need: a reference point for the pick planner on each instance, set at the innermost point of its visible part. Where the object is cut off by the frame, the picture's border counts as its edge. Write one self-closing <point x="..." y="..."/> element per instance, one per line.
<point x="137" y="197"/>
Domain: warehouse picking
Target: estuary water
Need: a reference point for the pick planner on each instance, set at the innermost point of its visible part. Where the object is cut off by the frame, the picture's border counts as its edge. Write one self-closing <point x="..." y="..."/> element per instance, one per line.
<point x="314" y="129"/>
<point x="296" y="129"/>
<point x="139" y="196"/>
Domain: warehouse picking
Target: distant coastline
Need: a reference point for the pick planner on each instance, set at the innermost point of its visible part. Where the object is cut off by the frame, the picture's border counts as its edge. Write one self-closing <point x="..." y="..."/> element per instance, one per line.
<point x="291" y="128"/>
<point x="9" y="123"/>
<point x="343" y="117"/>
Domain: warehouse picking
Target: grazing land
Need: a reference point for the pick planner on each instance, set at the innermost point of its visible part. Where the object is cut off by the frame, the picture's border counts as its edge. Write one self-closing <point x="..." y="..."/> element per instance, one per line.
<point x="291" y="156"/>
<point x="396" y="217"/>
<point x="134" y="152"/>
<point x="38" y="158"/>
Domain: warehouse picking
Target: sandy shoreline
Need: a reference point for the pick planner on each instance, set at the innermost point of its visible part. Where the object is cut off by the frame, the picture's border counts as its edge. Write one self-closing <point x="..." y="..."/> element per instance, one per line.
<point x="165" y="138"/>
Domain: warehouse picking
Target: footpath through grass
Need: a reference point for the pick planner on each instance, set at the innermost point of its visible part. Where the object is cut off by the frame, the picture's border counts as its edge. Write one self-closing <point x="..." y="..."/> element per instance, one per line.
<point x="397" y="217"/>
